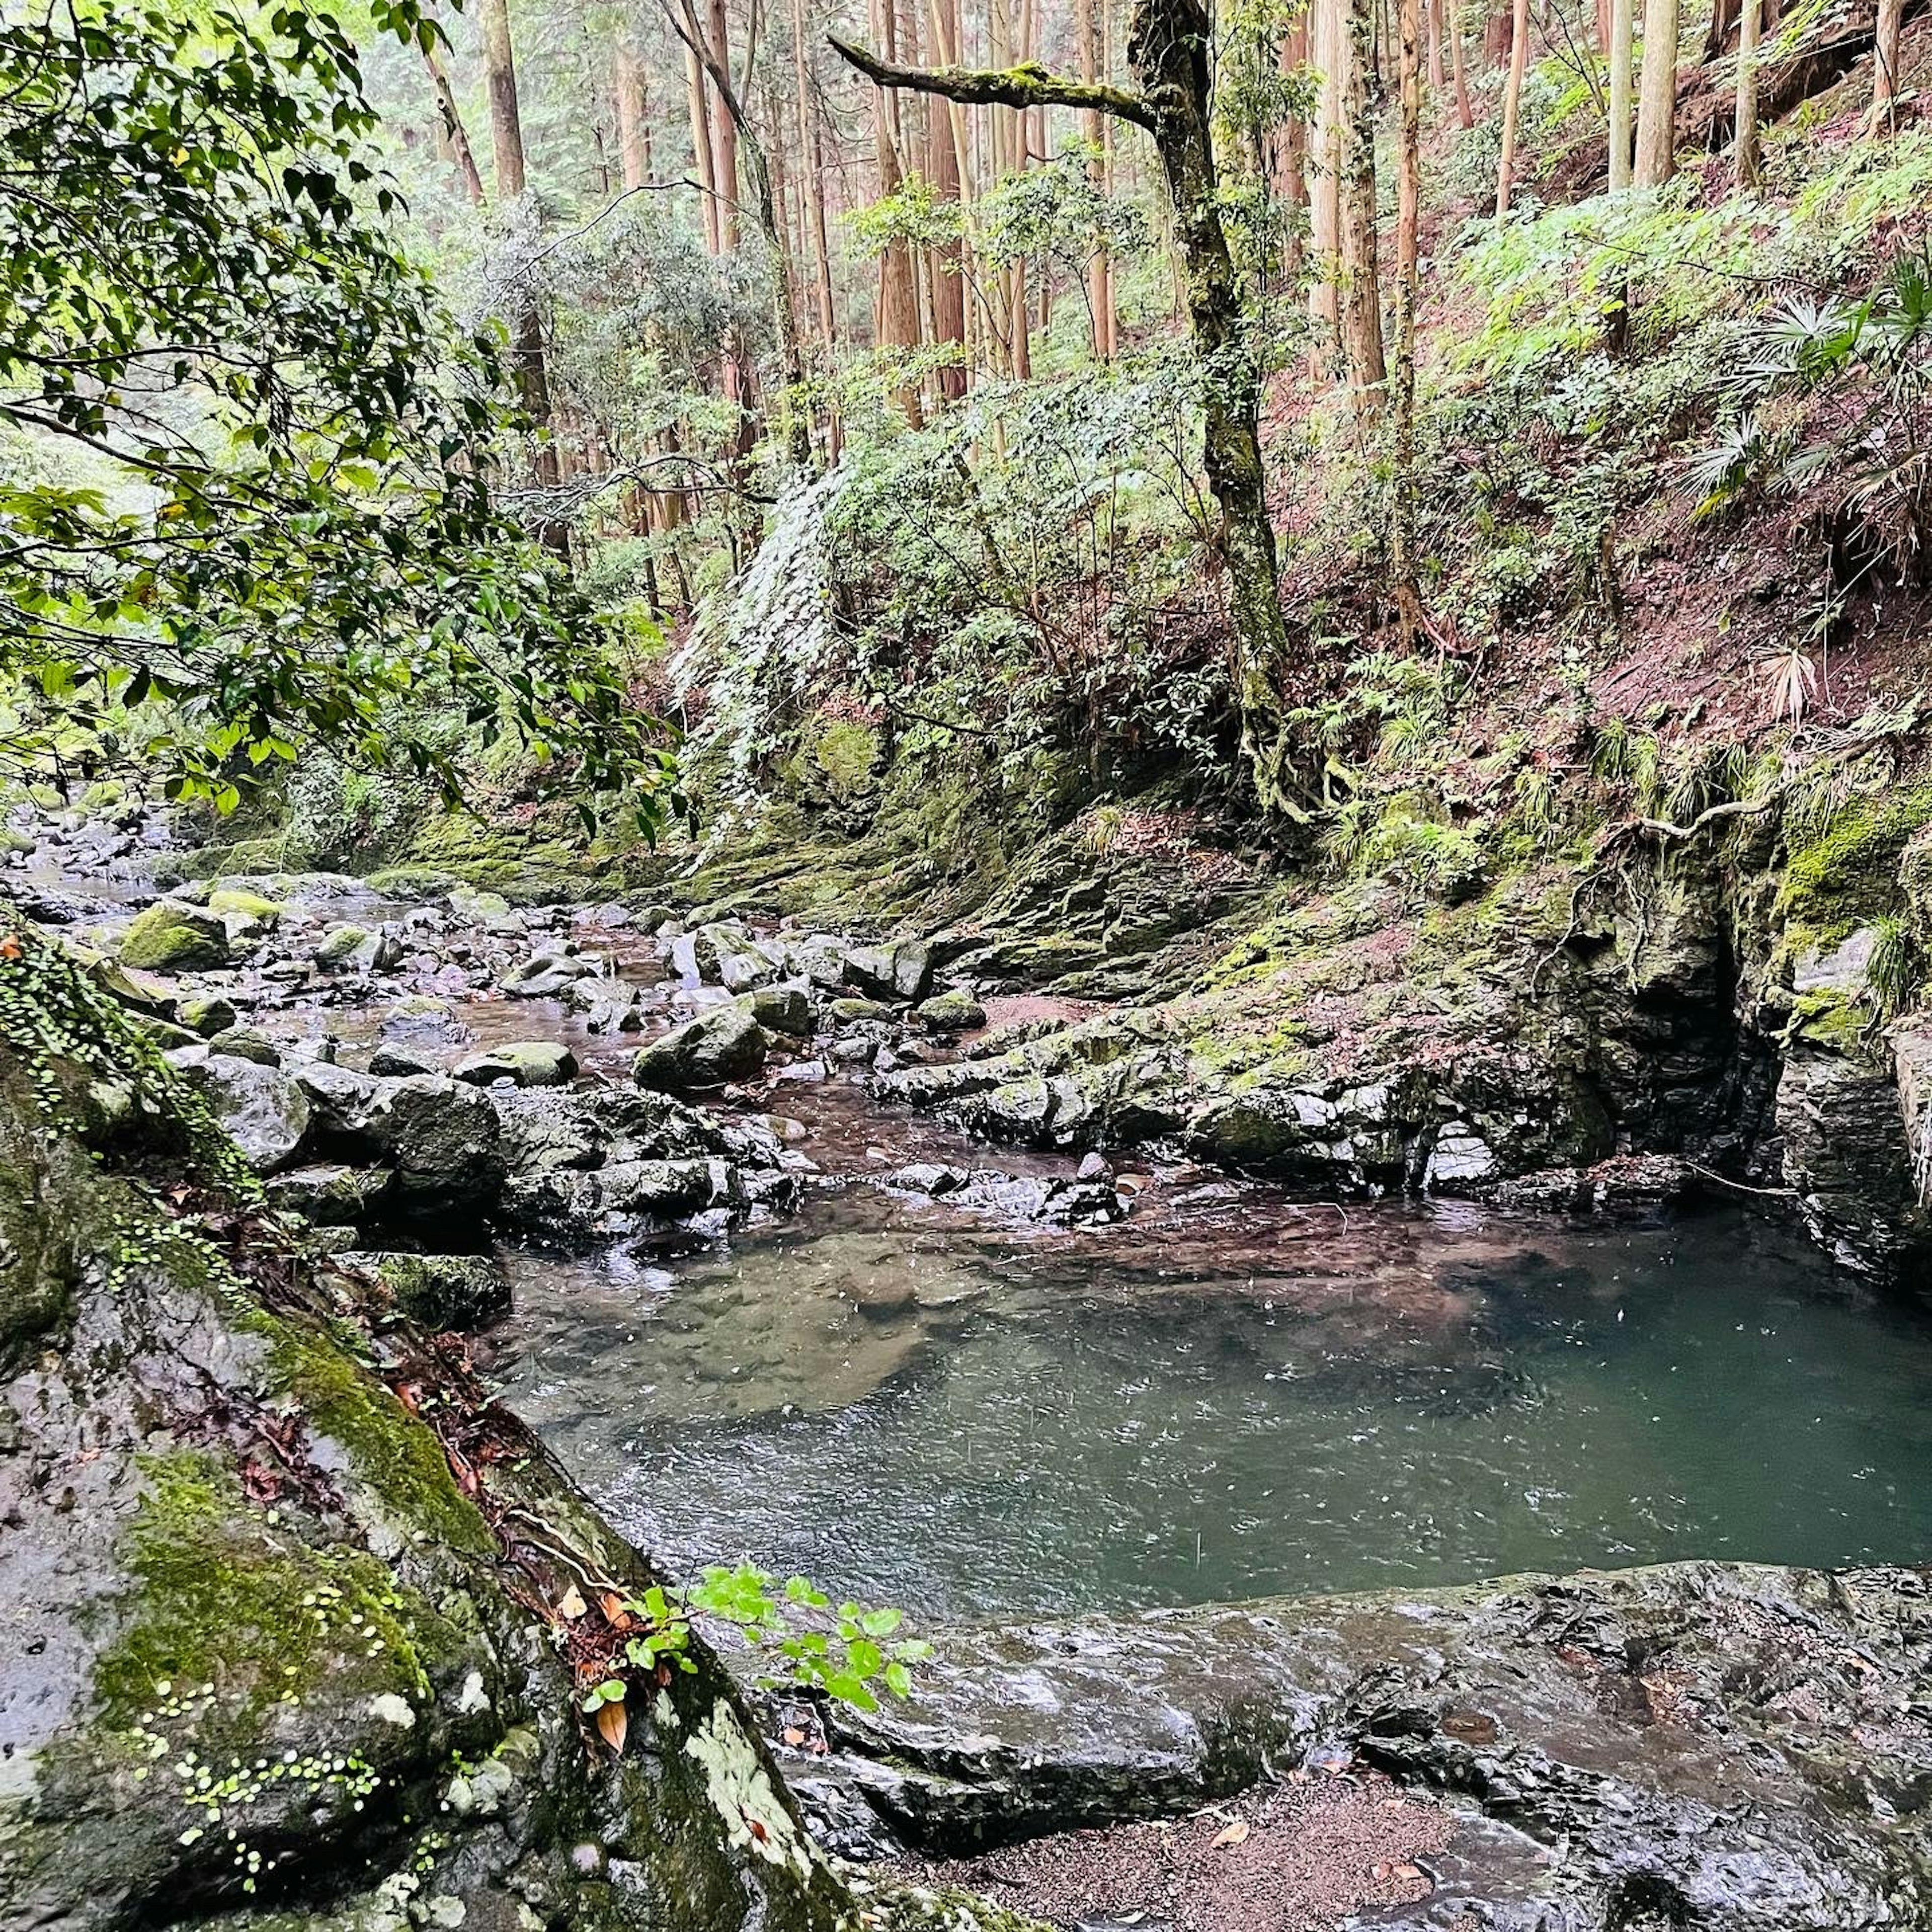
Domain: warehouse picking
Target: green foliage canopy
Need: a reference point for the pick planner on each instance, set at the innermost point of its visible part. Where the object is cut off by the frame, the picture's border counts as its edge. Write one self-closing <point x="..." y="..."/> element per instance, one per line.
<point x="246" y="500"/>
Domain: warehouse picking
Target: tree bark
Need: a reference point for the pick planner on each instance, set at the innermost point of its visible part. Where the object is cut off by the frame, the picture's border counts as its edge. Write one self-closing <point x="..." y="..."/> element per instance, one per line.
<point x="506" y="126"/>
<point x="1885" y="67"/>
<point x="725" y="131"/>
<point x="1465" y="114"/>
<point x="1513" y="106"/>
<point x="1747" y="173"/>
<point x="700" y="145"/>
<point x="461" y="154"/>
<point x="1408" y="249"/>
<point x="1168" y="45"/>
<point x="634" y="135"/>
<point x="1099" y="292"/>
<point x="1361" y="284"/>
<point x="1329" y="50"/>
<point x="1291" y="155"/>
<point x="1622" y="33"/>
<point x="1657" y="104"/>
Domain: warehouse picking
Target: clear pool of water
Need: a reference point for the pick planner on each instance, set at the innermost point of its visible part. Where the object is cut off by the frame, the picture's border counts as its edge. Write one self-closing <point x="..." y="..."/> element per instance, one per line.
<point x="974" y="1422"/>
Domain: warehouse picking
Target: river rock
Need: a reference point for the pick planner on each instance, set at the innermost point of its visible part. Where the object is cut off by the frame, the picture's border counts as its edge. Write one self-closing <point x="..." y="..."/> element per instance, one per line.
<point x="329" y="1193"/>
<point x="354" y="949"/>
<point x="437" y="1291"/>
<point x="781" y="1009"/>
<point x="246" y="916"/>
<point x="265" y="1111"/>
<point x="903" y="971"/>
<point x="440" y="1138"/>
<point x="724" y="1045"/>
<point x="546" y="975"/>
<point x="537" y="1063"/>
<point x="392" y="1062"/>
<point x="206" y="1015"/>
<point x="172" y="937"/>
<point x="952" y="1011"/>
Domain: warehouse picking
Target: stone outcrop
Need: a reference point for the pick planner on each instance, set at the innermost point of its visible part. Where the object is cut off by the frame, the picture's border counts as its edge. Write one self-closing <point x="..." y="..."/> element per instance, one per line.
<point x="1698" y="1746"/>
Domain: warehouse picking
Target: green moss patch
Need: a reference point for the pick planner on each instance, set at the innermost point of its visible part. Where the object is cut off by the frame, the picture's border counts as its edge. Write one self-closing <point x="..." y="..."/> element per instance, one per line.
<point x="1848" y="877"/>
<point x="395" y="1453"/>
<point x="234" y="1613"/>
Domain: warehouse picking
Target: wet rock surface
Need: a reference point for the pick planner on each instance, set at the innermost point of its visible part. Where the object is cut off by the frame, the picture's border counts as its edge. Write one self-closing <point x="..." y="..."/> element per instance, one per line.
<point x="1692" y="1746"/>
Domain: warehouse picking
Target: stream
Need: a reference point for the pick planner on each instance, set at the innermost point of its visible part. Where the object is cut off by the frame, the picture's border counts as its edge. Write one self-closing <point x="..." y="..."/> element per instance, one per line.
<point x="975" y="1414"/>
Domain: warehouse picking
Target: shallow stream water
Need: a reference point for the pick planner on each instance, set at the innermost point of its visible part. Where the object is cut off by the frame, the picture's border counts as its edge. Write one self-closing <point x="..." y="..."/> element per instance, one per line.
<point x="1230" y="1398"/>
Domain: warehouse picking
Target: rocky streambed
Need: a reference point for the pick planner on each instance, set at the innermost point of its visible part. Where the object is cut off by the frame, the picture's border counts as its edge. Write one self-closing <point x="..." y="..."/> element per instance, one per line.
<point x="685" y="1179"/>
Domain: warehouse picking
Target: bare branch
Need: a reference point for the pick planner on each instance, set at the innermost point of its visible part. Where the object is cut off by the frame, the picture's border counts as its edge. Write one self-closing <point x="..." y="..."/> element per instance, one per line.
<point x="1026" y="85"/>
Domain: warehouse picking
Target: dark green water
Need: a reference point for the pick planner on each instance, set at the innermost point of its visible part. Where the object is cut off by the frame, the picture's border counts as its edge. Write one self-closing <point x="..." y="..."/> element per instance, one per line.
<point x="974" y="1424"/>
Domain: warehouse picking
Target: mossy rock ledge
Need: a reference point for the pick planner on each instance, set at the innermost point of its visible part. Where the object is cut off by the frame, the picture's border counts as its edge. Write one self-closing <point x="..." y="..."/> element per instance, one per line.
<point x="275" y="1654"/>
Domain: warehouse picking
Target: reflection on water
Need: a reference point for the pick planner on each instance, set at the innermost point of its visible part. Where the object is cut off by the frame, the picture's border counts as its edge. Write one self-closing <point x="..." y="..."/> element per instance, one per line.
<point x="976" y="1424"/>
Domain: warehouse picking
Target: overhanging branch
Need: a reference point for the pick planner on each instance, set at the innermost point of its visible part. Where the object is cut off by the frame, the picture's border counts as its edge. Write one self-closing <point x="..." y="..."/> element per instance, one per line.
<point x="1026" y="85"/>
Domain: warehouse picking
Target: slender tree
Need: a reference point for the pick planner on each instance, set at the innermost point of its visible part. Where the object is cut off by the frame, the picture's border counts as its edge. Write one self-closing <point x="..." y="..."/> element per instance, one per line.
<point x="1513" y="106"/>
<point x="634" y="127"/>
<point x="506" y="146"/>
<point x="1622" y="33"/>
<point x="1464" y="113"/>
<point x="1361" y="284"/>
<point x="1100" y="270"/>
<point x="463" y="157"/>
<point x="1748" y="172"/>
<point x="1656" y="101"/>
<point x="1167" y="46"/>
<point x="699" y="107"/>
<point x="1884" y="117"/>
<point x="1407" y="255"/>
<point x="1329" y="48"/>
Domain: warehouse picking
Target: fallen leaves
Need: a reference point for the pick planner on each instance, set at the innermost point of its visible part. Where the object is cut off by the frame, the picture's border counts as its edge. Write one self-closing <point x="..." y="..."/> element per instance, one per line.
<point x="613" y="1725"/>
<point x="1229" y="1836"/>
<point x="571" y="1605"/>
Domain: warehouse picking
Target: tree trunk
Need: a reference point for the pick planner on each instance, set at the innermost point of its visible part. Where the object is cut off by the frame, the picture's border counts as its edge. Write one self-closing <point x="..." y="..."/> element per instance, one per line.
<point x="1361" y="286"/>
<point x="724" y="133"/>
<point x="1434" y="24"/>
<point x="461" y="155"/>
<point x="1885" y="67"/>
<point x="1465" y="114"/>
<point x="1100" y="296"/>
<point x="634" y="140"/>
<point x="1657" y="104"/>
<point x="1329" y="48"/>
<point x="700" y="146"/>
<point x="506" y="143"/>
<point x="1748" y="173"/>
<point x="1622" y="31"/>
<point x="1408" y="248"/>
<point x="1167" y="53"/>
<point x="1723" y="16"/>
<point x="812" y="189"/>
<point x="1291" y="155"/>
<point x="1513" y="106"/>
<point x="506" y="126"/>
<point x="899" y="297"/>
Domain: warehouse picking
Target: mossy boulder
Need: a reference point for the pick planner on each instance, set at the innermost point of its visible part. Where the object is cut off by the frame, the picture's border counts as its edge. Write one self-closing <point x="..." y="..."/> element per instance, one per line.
<point x="438" y="1290"/>
<point x="724" y="1044"/>
<point x="531" y="1063"/>
<point x="206" y="1014"/>
<point x="284" y="1671"/>
<point x="953" y="1011"/>
<point x="246" y="915"/>
<point x="171" y="936"/>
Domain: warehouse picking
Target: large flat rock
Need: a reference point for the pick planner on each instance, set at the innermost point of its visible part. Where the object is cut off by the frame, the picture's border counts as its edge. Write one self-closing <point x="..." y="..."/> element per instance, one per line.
<point x="1690" y="1745"/>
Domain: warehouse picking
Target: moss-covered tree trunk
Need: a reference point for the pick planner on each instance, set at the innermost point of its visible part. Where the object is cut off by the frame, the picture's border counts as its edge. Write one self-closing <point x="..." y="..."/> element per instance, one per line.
<point x="1168" y="43"/>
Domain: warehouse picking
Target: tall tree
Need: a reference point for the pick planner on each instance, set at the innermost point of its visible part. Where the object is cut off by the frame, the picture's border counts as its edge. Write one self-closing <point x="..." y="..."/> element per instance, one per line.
<point x="1099" y="269"/>
<point x="1291" y="182"/>
<point x="462" y="156"/>
<point x="1168" y="45"/>
<point x="1513" y="106"/>
<point x="1361" y="284"/>
<point x="634" y="123"/>
<point x="1407" y="254"/>
<point x="898" y="311"/>
<point x="1622" y="33"/>
<point x="1657" y="100"/>
<point x="1465" y="114"/>
<point x="1329" y="48"/>
<point x="698" y="105"/>
<point x="506" y="147"/>
<point x="1885" y="67"/>
<point x="1747" y="172"/>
